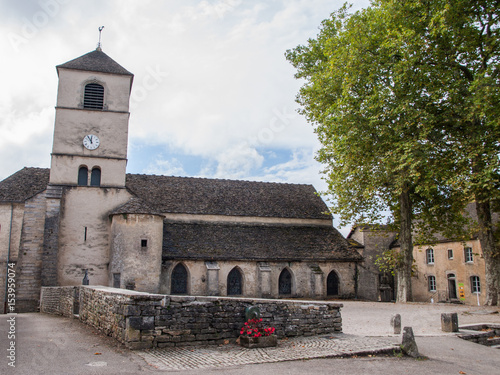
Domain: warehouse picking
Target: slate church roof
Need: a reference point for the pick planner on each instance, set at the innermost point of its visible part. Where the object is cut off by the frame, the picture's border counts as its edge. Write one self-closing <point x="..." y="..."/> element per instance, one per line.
<point x="214" y="241"/>
<point x="227" y="197"/>
<point x="166" y="194"/>
<point x="24" y="184"/>
<point x="95" y="61"/>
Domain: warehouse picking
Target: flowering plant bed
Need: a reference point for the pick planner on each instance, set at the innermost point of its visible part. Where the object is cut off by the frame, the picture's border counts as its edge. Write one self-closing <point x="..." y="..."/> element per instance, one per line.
<point x="254" y="335"/>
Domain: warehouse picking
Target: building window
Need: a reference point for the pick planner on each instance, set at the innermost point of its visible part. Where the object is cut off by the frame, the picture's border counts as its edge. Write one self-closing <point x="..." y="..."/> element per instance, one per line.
<point x="83" y="176"/>
<point x="432" y="283"/>
<point x="450" y="254"/>
<point x="179" y="280"/>
<point x="468" y="255"/>
<point x="144" y="243"/>
<point x="475" y="284"/>
<point x="285" y="282"/>
<point x="94" y="96"/>
<point x="234" y="283"/>
<point x="429" y="255"/>
<point x="95" y="177"/>
<point x="332" y="284"/>
<point x="116" y="280"/>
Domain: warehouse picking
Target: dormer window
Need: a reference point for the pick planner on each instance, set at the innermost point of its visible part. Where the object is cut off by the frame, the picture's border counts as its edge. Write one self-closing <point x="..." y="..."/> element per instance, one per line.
<point x="94" y="96"/>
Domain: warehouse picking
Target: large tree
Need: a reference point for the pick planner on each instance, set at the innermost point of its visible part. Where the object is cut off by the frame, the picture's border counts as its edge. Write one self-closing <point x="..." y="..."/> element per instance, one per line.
<point x="390" y="110"/>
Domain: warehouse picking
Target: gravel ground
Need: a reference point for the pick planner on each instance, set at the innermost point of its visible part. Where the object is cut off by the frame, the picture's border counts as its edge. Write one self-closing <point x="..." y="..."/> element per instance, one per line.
<point x="374" y="318"/>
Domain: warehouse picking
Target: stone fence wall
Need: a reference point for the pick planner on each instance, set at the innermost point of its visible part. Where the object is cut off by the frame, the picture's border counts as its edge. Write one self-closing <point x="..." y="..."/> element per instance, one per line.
<point x="59" y="300"/>
<point x="142" y="320"/>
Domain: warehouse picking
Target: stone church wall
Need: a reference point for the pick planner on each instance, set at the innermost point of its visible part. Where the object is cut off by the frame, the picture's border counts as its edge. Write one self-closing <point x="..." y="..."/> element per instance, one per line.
<point x="8" y="233"/>
<point x="142" y="320"/>
<point x="29" y="265"/>
<point x="261" y="279"/>
<point x="137" y="241"/>
<point x="84" y="234"/>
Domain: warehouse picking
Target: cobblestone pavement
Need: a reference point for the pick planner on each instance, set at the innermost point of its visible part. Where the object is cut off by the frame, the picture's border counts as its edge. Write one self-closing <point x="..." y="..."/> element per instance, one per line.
<point x="209" y="357"/>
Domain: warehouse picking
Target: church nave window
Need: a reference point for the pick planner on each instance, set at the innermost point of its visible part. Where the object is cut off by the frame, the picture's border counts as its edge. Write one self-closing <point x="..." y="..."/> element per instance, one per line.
<point x="285" y="283"/>
<point x="179" y="280"/>
<point x="94" y="96"/>
<point x="234" y="283"/>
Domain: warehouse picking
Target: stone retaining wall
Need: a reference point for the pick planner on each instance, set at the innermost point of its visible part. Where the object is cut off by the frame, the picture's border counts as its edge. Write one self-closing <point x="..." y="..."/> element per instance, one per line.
<point x="142" y="320"/>
<point x="59" y="300"/>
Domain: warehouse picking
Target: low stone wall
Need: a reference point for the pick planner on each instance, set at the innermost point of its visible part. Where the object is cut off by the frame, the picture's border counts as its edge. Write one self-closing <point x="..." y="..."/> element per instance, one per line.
<point x="142" y="320"/>
<point x="59" y="300"/>
<point x="484" y="333"/>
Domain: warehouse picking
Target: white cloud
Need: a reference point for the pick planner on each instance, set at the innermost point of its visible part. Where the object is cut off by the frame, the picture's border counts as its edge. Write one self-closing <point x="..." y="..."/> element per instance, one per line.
<point x="211" y="80"/>
<point x="171" y="167"/>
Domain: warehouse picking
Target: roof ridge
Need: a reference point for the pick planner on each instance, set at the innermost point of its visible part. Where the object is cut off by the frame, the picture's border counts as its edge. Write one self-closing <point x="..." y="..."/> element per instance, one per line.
<point x="219" y="179"/>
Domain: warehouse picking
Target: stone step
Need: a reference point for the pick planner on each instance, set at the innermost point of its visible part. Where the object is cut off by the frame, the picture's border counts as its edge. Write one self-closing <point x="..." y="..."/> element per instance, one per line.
<point x="493" y="341"/>
<point x="495" y="346"/>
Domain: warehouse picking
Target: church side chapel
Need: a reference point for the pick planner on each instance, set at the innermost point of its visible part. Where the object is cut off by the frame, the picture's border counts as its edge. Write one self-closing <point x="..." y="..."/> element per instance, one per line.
<point x="157" y="234"/>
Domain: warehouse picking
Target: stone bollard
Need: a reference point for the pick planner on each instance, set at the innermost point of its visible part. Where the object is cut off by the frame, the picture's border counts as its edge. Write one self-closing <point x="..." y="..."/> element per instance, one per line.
<point x="396" y="323"/>
<point x="449" y="322"/>
<point x="409" y="345"/>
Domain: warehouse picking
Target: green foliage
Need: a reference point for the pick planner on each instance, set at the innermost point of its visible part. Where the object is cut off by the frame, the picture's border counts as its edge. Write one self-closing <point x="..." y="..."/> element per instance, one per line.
<point x="404" y="97"/>
<point x="391" y="260"/>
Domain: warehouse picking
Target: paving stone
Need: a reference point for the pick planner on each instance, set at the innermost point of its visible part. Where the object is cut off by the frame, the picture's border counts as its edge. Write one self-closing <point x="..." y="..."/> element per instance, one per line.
<point x="205" y="357"/>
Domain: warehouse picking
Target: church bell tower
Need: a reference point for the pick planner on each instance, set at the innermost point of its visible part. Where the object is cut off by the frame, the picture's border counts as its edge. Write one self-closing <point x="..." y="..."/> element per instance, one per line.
<point x="91" y="123"/>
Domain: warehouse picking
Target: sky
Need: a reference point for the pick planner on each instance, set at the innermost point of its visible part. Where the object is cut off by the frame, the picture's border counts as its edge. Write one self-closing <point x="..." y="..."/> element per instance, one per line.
<point x="213" y="95"/>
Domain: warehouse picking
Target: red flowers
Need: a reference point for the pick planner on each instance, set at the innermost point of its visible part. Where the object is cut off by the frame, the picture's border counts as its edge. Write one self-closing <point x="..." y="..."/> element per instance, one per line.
<point x="253" y="328"/>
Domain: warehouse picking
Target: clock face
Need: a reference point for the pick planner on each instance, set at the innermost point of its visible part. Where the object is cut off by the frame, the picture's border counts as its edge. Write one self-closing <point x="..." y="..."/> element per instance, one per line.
<point x="91" y="142"/>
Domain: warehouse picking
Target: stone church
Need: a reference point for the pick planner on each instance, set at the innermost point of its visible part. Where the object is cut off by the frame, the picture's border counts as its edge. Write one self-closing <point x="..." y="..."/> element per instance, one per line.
<point x="86" y="218"/>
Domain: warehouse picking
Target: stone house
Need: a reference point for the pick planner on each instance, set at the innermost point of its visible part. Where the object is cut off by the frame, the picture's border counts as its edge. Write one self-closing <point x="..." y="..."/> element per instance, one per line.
<point x="371" y="241"/>
<point x="158" y="234"/>
<point x="447" y="270"/>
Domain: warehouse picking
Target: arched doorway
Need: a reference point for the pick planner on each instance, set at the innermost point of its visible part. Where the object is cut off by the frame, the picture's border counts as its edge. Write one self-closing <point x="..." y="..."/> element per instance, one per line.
<point x="285" y="283"/>
<point x="332" y="284"/>
<point x="179" y="280"/>
<point x="234" y="283"/>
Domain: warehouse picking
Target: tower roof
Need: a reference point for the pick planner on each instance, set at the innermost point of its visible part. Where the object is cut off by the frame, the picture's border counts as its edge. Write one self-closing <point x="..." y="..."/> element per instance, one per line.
<point x="95" y="61"/>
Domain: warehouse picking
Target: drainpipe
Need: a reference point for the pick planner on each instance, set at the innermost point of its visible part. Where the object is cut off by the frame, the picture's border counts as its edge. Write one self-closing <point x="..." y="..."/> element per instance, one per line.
<point x="356" y="275"/>
<point x="7" y="261"/>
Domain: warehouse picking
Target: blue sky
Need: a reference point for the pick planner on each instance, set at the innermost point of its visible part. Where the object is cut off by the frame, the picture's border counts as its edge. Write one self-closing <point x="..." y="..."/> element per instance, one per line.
<point x="213" y="94"/>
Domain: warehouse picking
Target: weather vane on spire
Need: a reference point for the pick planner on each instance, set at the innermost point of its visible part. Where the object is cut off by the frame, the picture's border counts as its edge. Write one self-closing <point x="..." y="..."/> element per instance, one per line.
<point x="99" y="44"/>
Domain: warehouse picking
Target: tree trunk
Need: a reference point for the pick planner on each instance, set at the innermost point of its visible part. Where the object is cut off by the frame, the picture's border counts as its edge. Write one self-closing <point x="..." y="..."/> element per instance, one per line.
<point x="491" y="252"/>
<point x="403" y="271"/>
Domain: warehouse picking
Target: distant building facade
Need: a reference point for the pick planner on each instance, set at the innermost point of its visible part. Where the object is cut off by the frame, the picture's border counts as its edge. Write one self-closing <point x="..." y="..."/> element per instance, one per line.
<point x="447" y="270"/>
<point x="156" y="234"/>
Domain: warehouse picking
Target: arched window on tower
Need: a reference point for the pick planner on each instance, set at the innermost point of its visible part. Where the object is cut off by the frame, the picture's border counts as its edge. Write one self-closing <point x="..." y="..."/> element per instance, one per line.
<point x="234" y="283"/>
<point x="93" y="96"/>
<point x="83" y="176"/>
<point x="95" y="177"/>
<point x="179" y="280"/>
<point x="285" y="283"/>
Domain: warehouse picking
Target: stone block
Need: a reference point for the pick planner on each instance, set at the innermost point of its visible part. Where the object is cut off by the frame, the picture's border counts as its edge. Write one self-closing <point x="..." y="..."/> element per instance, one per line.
<point x="396" y="323"/>
<point x="409" y="345"/>
<point x="449" y="322"/>
<point x="141" y="322"/>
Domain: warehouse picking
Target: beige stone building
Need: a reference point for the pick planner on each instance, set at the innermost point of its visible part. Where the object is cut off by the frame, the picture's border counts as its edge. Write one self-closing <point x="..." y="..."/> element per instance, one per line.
<point x="445" y="271"/>
<point x="155" y="233"/>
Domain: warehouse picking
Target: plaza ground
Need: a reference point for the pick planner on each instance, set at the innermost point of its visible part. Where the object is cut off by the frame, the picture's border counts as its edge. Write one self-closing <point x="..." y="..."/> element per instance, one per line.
<point x="53" y="345"/>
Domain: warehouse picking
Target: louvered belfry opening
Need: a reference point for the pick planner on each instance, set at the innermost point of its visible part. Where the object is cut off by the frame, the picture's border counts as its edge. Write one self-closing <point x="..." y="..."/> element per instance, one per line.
<point x="94" y="96"/>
